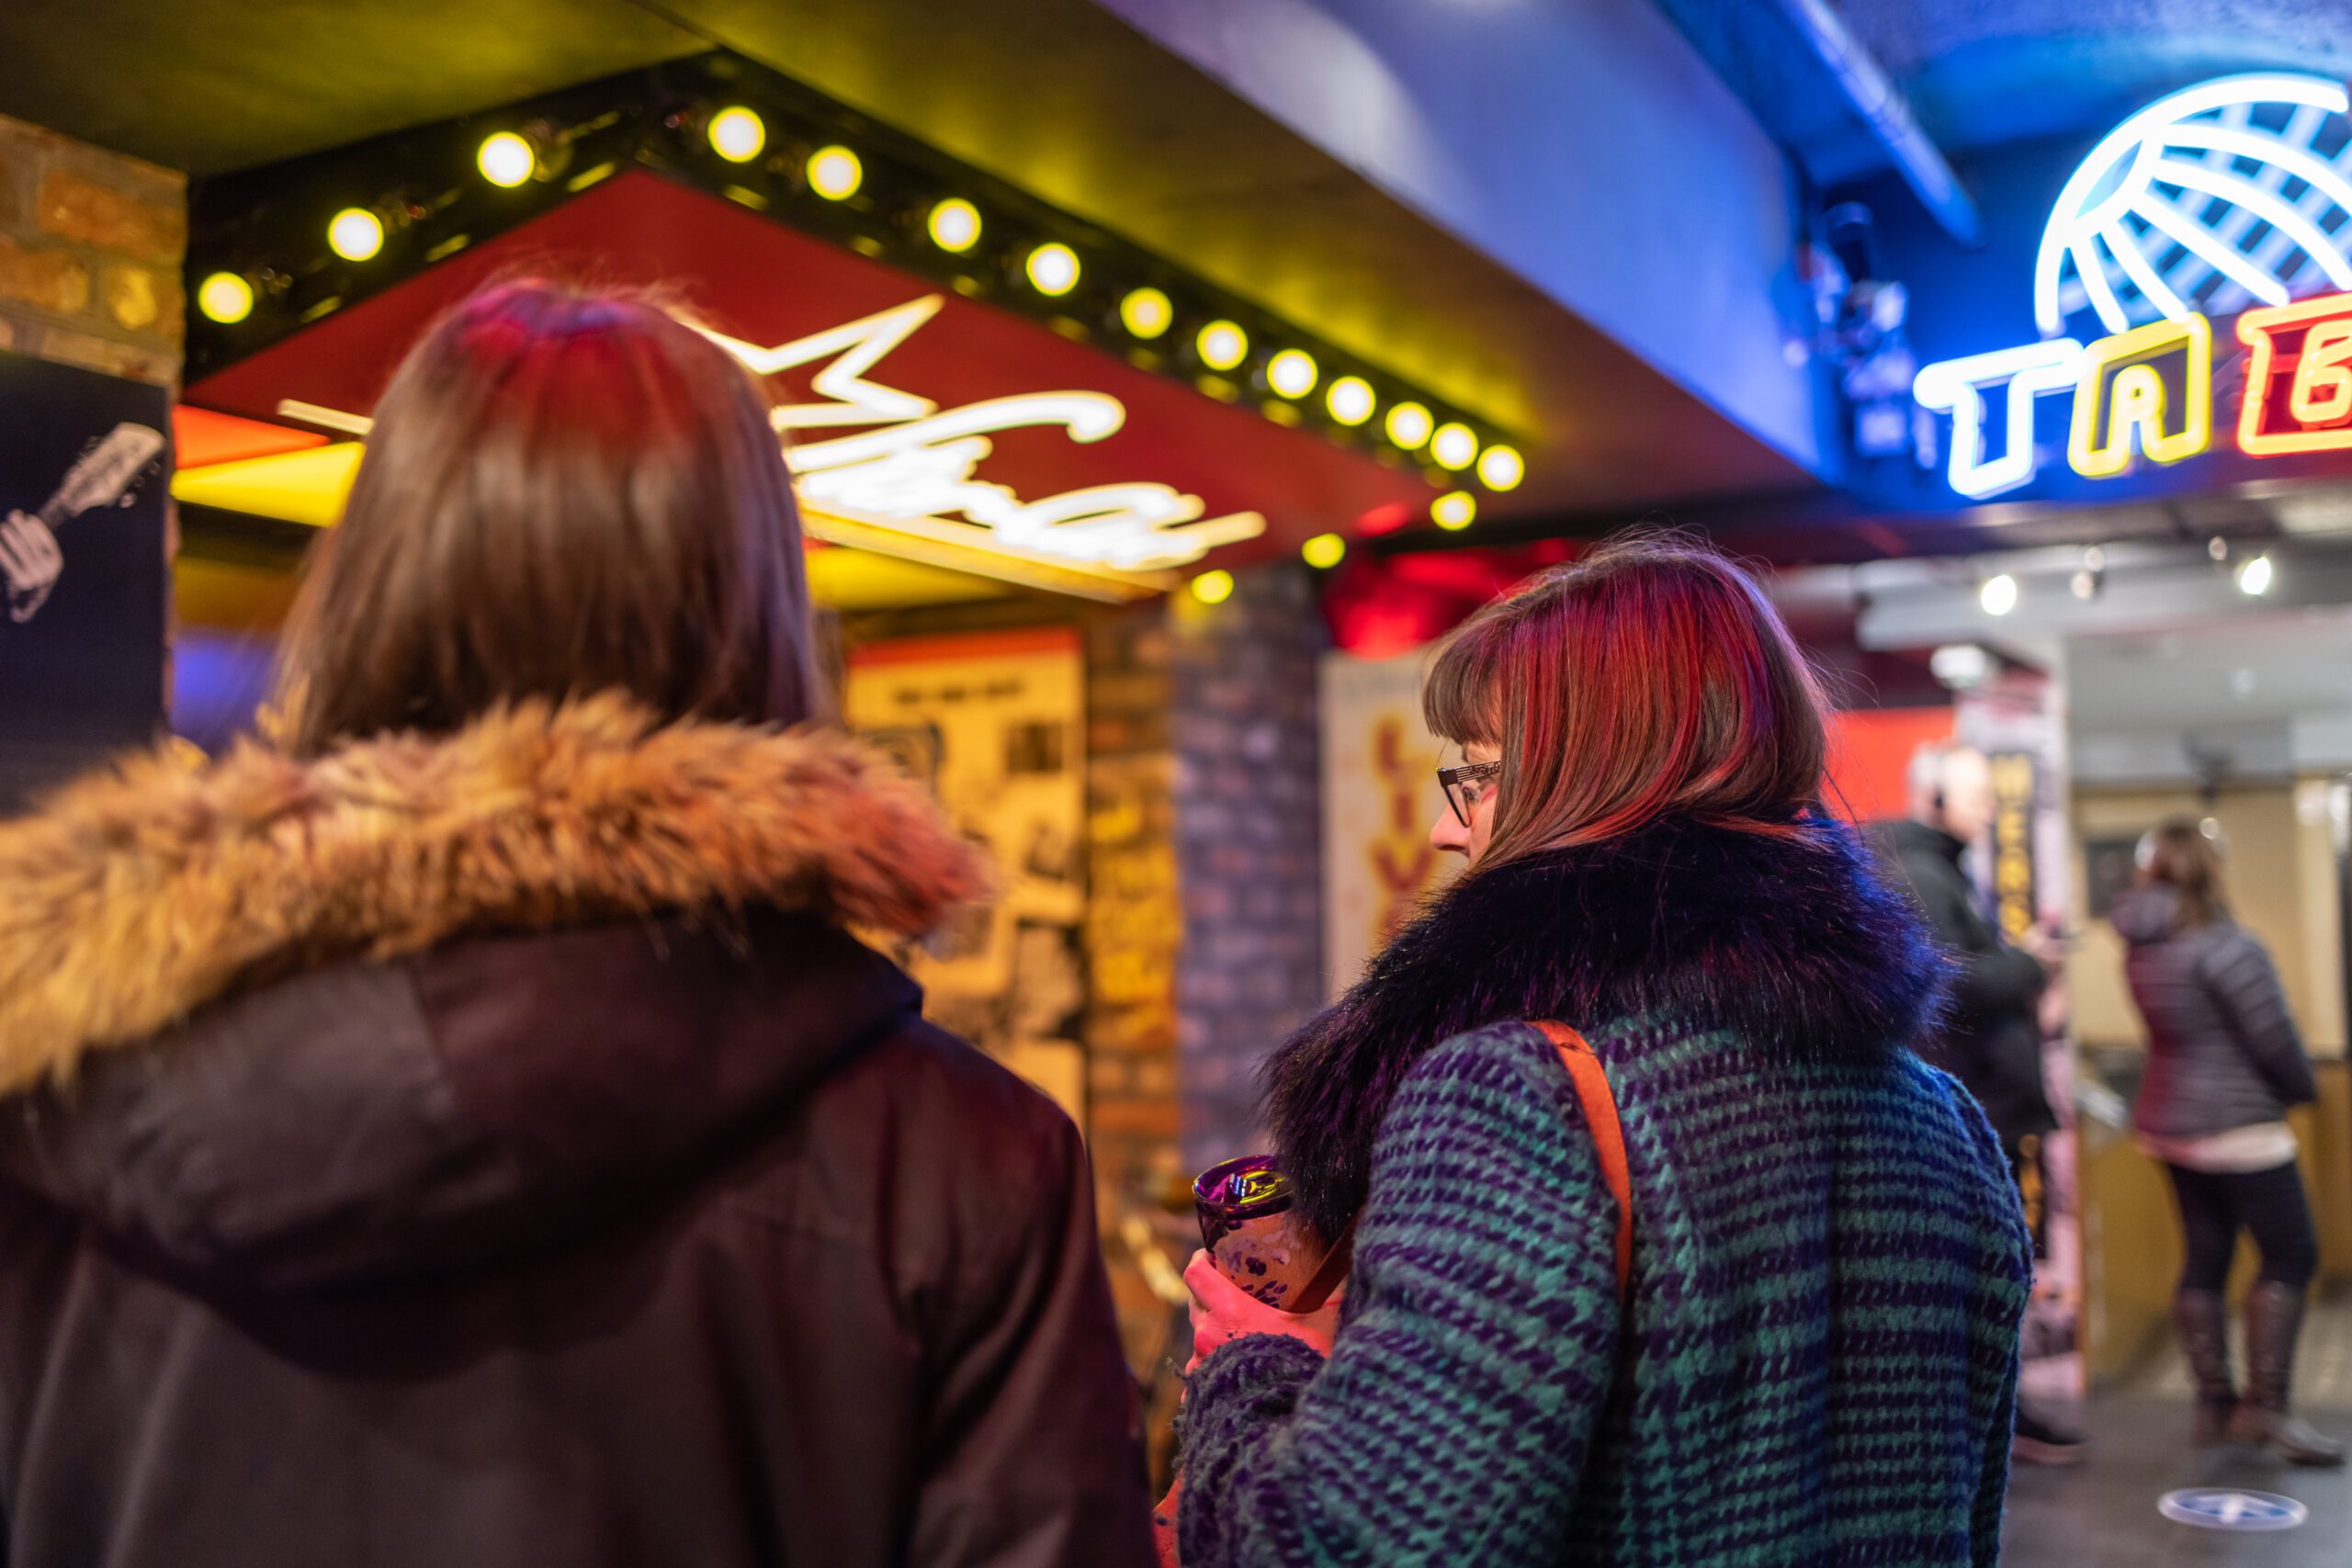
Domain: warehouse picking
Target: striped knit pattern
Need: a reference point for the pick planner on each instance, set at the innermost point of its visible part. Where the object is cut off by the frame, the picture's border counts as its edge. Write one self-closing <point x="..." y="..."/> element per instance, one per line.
<point x="1817" y="1363"/>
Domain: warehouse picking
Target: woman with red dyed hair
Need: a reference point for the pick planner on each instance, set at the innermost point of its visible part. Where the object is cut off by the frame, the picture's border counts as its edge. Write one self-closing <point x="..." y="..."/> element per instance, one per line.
<point x="1809" y="1352"/>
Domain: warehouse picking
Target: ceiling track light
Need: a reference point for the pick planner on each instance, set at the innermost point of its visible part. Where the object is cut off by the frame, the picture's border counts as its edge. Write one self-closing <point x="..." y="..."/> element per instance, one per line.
<point x="226" y="298"/>
<point x="517" y="156"/>
<point x="737" y="134"/>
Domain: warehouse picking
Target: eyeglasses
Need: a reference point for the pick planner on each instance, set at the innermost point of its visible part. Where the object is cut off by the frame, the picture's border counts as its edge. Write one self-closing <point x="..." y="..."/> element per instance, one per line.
<point x="1463" y="786"/>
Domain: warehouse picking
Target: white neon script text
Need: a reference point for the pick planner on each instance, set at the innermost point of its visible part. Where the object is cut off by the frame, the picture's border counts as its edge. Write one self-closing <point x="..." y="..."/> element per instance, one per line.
<point x="915" y="467"/>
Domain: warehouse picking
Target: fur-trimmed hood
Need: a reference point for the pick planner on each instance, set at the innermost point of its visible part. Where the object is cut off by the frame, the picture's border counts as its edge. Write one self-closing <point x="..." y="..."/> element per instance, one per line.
<point x="423" y="1002"/>
<point x="1792" y="942"/>
<point x="140" y="895"/>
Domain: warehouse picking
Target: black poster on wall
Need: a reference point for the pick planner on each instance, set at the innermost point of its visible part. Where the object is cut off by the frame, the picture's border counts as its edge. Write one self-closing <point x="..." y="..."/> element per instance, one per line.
<point x="85" y="463"/>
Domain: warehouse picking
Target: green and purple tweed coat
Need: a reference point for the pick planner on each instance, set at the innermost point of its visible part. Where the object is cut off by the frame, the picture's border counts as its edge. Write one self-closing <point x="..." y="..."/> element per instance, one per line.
<point x="1818" y="1362"/>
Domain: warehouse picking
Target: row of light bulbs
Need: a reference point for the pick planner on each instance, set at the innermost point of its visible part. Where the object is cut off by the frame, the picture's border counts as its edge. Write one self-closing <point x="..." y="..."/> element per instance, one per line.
<point x="510" y="159"/>
<point x="1454" y="511"/>
<point x="1998" y="595"/>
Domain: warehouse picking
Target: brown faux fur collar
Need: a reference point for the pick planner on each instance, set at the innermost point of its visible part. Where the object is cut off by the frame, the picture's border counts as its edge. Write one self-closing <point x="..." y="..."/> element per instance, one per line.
<point x="144" y="892"/>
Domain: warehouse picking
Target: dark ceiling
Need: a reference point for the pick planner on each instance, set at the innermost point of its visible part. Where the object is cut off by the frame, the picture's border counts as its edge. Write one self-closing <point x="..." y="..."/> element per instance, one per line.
<point x="1984" y="74"/>
<point x="1056" y="95"/>
<point x="1987" y="72"/>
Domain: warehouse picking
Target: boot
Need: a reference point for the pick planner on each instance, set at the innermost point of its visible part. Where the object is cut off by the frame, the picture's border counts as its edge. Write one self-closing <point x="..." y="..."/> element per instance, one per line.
<point x="2274" y="1316"/>
<point x="2201" y="1320"/>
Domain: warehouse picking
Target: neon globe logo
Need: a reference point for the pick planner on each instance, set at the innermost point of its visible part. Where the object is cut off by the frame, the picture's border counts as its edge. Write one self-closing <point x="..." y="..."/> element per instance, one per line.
<point x="2233" y="193"/>
<point x="2230" y="198"/>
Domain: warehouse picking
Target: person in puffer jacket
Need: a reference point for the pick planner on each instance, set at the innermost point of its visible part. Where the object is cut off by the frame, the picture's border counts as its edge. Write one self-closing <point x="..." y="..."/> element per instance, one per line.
<point x="2224" y="1063"/>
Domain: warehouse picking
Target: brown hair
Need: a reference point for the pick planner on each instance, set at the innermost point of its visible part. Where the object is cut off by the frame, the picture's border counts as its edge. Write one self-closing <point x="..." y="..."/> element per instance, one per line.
<point x="2182" y="857"/>
<point x="565" y="491"/>
<point x="1652" y="677"/>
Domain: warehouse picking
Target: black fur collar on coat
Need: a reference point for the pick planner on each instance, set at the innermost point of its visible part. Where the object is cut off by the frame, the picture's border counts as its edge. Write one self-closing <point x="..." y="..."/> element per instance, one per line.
<point x="1792" y="942"/>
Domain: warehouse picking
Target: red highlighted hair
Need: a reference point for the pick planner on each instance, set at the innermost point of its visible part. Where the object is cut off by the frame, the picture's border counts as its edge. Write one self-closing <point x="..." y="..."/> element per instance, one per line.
<point x="1650" y="679"/>
<point x="567" y="491"/>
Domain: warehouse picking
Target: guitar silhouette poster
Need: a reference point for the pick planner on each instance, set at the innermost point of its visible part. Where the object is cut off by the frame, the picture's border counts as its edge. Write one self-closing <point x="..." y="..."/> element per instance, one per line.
<point x="84" y="579"/>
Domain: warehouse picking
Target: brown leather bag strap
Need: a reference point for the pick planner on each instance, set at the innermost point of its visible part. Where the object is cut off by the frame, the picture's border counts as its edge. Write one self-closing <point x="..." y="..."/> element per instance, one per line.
<point x="1608" y="1137"/>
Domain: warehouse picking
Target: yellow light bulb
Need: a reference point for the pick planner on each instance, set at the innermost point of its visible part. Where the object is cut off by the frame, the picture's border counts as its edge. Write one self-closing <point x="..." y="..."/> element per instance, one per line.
<point x="737" y="134"/>
<point x="1409" y="426"/>
<point x="1146" y="312"/>
<point x="1324" y="551"/>
<point x="1454" y="511"/>
<point x="355" y="234"/>
<point x="1453" y="446"/>
<point x="1222" y="346"/>
<point x="1053" y="268"/>
<point x="835" y="172"/>
<point x="225" y="297"/>
<point x="1292" y="373"/>
<point x="1349" y="399"/>
<point x="1212" y="587"/>
<point x="1499" y="468"/>
<point x="507" y="160"/>
<point x="954" y="225"/>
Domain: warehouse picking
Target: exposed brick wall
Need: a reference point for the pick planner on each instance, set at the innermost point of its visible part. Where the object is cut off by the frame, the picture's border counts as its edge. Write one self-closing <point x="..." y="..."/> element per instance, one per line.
<point x="1249" y="833"/>
<point x="90" y="250"/>
<point x="1133" y="930"/>
<point x="1203" y="922"/>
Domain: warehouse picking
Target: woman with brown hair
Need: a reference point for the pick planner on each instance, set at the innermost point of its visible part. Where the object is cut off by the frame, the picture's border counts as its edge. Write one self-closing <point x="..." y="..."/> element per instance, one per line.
<point x="465" y="1131"/>
<point x="2224" y="1063"/>
<point x="1810" y="1352"/>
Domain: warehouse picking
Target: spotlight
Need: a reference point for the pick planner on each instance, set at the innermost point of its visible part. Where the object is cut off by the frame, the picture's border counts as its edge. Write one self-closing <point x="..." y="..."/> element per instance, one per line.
<point x="1410" y="425"/>
<point x="1222" y="346"/>
<point x="1454" y="511"/>
<point x="1053" y="268"/>
<point x="954" y="225"/>
<point x="1212" y="587"/>
<point x="355" y="234"/>
<point x="1292" y="373"/>
<point x="1453" y="446"/>
<point x="2218" y="548"/>
<point x="1500" y="468"/>
<point x="1349" y="399"/>
<point x="2092" y="577"/>
<point x="1146" y="312"/>
<point x="835" y="172"/>
<point x="2254" y="575"/>
<point x="1324" y="551"/>
<point x="1999" y="594"/>
<point x="507" y="159"/>
<point x="1962" y="666"/>
<point x="737" y="134"/>
<point x="225" y="297"/>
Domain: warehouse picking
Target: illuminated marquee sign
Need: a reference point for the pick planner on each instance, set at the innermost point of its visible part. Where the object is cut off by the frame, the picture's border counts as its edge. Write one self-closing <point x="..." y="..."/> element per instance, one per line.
<point x="2159" y="231"/>
<point x="889" y="464"/>
<point x="911" y="467"/>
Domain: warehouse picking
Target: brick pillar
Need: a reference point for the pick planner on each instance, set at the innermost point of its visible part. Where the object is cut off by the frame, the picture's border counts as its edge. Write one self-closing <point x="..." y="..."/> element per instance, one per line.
<point x="90" y="249"/>
<point x="1249" y="832"/>
<point x="1132" y="932"/>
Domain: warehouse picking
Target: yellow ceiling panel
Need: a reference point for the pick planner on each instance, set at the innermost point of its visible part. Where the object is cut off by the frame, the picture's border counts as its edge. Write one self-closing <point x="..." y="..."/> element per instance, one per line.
<point x="294" y="487"/>
<point x="860" y="580"/>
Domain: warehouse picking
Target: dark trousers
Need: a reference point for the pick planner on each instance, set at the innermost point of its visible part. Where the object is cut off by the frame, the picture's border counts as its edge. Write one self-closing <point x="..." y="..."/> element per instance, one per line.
<point x="2215" y="1206"/>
